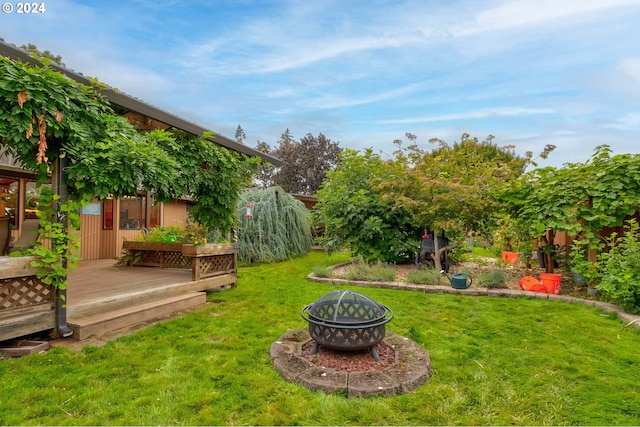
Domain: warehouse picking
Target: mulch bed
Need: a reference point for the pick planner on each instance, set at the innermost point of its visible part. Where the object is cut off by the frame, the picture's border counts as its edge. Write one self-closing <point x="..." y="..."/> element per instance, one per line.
<point x="350" y="361"/>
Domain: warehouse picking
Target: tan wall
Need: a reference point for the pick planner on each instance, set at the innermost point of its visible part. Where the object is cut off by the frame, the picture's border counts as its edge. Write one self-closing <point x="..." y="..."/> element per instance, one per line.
<point x="91" y="236"/>
<point x="174" y="213"/>
<point x="97" y="243"/>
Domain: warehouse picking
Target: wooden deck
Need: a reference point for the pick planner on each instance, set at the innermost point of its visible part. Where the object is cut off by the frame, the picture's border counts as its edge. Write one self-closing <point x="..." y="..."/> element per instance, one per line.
<point x="101" y="297"/>
<point x="100" y="279"/>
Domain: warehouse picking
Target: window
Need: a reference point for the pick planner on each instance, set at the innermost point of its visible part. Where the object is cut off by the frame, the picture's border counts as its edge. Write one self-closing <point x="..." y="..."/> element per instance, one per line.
<point x="12" y="200"/>
<point x="32" y="199"/>
<point x="107" y="214"/>
<point x="9" y="196"/>
<point x="132" y="213"/>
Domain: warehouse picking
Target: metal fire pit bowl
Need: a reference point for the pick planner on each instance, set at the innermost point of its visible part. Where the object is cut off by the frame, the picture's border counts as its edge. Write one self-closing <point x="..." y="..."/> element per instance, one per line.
<point x="346" y="320"/>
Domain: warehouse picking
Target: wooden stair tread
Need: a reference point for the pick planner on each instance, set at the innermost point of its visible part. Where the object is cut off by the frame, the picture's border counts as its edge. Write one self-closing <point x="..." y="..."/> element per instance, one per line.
<point x="99" y="323"/>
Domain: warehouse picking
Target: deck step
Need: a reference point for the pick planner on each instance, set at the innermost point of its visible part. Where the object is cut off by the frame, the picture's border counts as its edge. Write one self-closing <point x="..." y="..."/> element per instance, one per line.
<point x="99" y="324"/>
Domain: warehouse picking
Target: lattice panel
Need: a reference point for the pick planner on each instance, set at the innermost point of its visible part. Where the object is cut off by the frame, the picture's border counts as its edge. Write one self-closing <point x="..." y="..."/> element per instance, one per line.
<point x="210" y="265"/>
<point x="347" y="339"/>
<point x="24" y="291"/>
<point x="176" y="260"/>
<point x="149" y="257"/>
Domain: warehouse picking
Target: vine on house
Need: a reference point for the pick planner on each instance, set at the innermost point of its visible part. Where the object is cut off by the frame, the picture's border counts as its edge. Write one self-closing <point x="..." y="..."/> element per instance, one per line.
<point x="45" y="116"/>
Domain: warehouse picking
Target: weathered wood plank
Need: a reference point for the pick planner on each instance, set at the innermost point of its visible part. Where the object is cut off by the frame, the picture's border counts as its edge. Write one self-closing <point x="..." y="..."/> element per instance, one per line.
<point x="17" y="267"/>
<point x="24" y="311"/>
<point x="209" y="249"/>
<point x="217" y="283"/>
<point x="152" y="246"/>
<point x="41" y="318"/>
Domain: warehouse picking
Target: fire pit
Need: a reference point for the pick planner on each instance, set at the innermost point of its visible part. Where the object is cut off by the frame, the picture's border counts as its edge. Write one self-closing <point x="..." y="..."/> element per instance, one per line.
<point x="346" y="320"/>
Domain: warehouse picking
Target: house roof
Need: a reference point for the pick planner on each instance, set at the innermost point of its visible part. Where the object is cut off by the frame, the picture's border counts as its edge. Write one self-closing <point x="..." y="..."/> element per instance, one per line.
<point x="130" y="104"/>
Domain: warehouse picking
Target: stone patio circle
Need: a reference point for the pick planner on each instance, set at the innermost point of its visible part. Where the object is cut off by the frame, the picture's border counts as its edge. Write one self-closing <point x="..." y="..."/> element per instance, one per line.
<point x="411" y="369"/>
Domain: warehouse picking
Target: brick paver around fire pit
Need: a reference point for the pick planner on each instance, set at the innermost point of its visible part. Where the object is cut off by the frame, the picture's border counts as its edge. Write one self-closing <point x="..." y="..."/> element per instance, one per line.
<point x="411" y="368"/>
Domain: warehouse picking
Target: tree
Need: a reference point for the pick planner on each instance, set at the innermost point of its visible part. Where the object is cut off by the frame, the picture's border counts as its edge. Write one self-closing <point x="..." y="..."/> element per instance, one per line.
<point x="579" y="198"/>
<point x="266" y="171"/>
<point x="278" y="228"/>
<point x="451" y="188"/>
<point x="354" y="213"/>
<point x="240" y="135"/>
<point x="305" y="163"/>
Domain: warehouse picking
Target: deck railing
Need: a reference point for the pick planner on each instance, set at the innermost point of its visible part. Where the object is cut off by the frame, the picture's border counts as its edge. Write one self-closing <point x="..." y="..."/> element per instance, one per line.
<point x="26" y="304"/>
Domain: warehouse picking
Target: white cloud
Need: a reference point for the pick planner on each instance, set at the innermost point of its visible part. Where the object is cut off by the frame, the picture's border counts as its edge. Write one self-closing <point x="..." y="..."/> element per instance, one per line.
<point x="481" y="114"/>
<point x="630" y="67"/>
<point x="515" y="14"/>
<point x="629" y="121"/>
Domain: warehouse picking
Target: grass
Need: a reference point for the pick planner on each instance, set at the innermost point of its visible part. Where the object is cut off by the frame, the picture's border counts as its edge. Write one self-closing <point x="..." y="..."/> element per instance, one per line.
<point x="496" y="361"/>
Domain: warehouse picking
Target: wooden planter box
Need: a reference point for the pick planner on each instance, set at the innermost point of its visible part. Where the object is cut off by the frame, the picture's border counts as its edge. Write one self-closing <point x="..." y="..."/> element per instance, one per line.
<point x="203" y="260"/>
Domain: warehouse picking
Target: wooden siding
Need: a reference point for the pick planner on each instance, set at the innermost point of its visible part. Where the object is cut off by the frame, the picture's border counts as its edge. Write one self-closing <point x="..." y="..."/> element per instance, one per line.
<point x="174" y="213"/>
<point x="97" y="243"/>
<point x="91" y="236"/>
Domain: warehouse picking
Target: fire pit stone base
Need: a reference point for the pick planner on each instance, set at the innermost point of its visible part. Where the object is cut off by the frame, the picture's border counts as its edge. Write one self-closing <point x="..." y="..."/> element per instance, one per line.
<point x="411" y="369"/>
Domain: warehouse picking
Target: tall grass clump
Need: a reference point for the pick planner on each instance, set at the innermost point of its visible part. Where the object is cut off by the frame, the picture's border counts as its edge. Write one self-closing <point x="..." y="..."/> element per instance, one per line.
<point x="278" y="228"/>
<point x="378" y="272"/>
<point x="426" y="276"/>
<point x="494" y="278"/>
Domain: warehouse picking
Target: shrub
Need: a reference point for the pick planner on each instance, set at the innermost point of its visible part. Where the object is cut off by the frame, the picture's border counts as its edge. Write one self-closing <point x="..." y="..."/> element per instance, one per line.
<point x="322" y="272"/>
<point x="426" y="276"/>
<point x="192" y="233"/>
<point x="494" y="278"/>
<point x="165" y="233"/>
<point x="355" y="215"/>
<point x="378" y="272"/>
<point x="621" y="268"/>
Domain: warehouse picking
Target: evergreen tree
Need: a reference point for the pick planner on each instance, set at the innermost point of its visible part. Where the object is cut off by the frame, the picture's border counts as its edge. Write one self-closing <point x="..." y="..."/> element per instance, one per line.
<point x="277" y="227"/>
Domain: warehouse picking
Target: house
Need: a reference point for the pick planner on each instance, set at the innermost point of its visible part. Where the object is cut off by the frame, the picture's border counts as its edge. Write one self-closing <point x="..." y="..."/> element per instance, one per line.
<point x="99" y="297"/>
<point x="105" y="224"/>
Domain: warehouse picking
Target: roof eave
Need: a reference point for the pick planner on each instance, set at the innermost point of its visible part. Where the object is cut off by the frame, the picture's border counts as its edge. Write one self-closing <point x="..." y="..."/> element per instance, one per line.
<point x="141" y="107"/>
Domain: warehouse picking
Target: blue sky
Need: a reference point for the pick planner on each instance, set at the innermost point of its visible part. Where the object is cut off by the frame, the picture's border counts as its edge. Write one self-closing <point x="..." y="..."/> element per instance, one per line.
<point x="531" y="73"/>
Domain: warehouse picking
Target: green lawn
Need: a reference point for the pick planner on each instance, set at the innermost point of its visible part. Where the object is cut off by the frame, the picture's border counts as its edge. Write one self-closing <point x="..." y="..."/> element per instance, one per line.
<point x="496" y="361"/>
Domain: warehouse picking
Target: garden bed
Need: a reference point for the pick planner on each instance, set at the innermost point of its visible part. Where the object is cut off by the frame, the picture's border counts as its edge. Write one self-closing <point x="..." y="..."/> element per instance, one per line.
<point x="480" y="265"/>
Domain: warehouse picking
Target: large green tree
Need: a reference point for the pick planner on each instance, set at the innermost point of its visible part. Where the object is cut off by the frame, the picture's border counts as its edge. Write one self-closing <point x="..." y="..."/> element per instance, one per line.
<point x="354" y="213"/>
<point x="305" y="162"/>
<point x="452" y="188"/>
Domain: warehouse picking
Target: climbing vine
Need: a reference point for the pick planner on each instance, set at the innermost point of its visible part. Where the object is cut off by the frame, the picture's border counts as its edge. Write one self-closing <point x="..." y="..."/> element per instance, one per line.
<point x="45" y="117"/>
